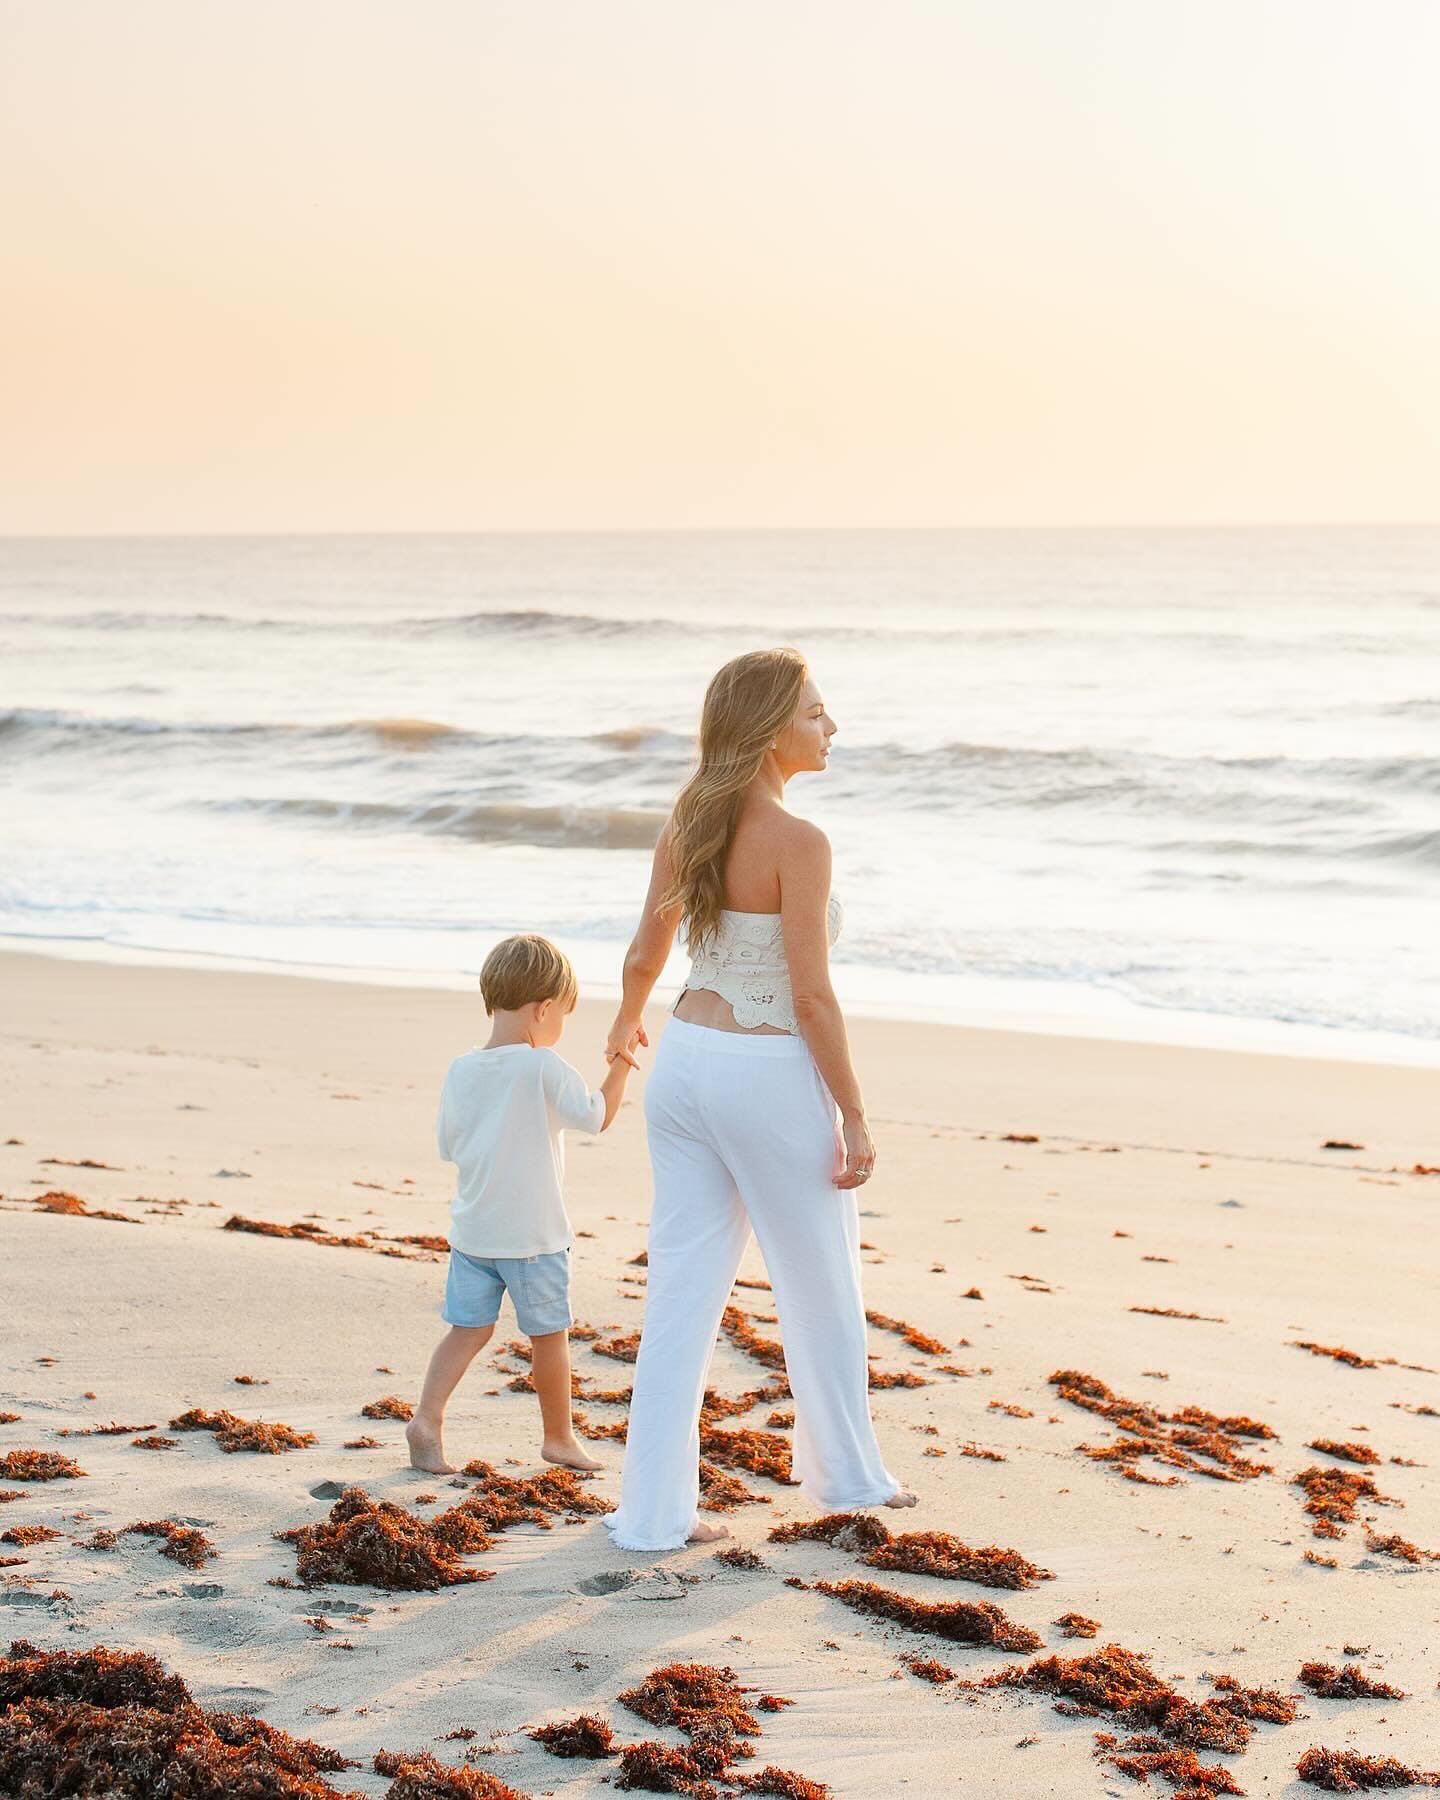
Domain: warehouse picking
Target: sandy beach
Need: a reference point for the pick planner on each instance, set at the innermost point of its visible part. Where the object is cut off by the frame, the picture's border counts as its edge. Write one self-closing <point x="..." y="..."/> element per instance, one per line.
<point x="1042" y="1205"/>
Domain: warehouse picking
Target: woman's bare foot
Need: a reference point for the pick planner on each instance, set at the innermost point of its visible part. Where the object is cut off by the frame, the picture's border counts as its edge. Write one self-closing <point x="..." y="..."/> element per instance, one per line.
<point x="707" y="1534"/>
<point x="427" y="1452"/>
<point x="569" y="1454"/>
<point x="903" y="1497"/>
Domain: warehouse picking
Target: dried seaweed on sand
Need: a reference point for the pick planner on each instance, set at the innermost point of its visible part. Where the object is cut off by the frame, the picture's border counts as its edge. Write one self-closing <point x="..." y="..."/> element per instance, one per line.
<point x="917" y="1339"/>
<point x="183" y="1543"/>
<point x="586" y="1735"/>
<point x="759" y="1452"/>
<point x="1333" y="1495"/>
<point x="372" y="1543"/>
<point x="71" y="1206"/>
<point x="103" y="1430"/>
<point x="720" y="1492"/>
<point x="1347" y="1451"/>
<point x="25" y="1535"/>
<point x="1146" y="1755"/>
<point x="500" y="1500"/>
<point x="934" y="1553"/>
<point x="1337" y="1352"/>
<point x="960" y="1621"/>
<point x="1076" y="1625"/>
<point x="233" y="1433"/>
<point x="389" y="1406"/>
<point x="741" y="1333"/>
<point x="1348" y="1683"/>
<point x="38" y="1465"/>
<point x="927" y="1669"/>
<point x="662" y="1769"/>
<point x="620" y="1349"/>
<point x="1121" y="1682"/>
<point x="99" y="1723"/>
<point x="417" y="1775"/>
<point x="1348" y="1772"/>
<point x="1190" y="1438"/>
<point x="703" y="1701"/>
<point x="1400" y="1548"/>
<point x="893" y="1378"/>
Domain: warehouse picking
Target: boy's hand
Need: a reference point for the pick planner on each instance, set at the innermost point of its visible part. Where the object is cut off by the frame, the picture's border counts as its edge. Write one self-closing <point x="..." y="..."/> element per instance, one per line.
<point x="620" y="1056"/>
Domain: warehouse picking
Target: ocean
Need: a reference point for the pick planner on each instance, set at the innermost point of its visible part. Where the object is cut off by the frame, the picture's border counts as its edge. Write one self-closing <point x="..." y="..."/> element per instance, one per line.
<point x="1179" y="785"/>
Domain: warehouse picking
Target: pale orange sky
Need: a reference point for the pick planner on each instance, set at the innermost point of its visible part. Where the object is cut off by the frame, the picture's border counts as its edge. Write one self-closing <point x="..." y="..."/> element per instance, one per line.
<point x="574" y="264"/>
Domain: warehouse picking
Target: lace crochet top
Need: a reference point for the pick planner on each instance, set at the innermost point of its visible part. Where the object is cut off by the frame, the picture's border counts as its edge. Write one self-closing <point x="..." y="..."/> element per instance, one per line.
<point x="745" y="964"/>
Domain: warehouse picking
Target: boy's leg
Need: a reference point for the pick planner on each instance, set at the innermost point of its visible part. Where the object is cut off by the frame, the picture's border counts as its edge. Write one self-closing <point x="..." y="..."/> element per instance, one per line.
<point x="550" y="1371"/>
<point x="453" y="1356"/>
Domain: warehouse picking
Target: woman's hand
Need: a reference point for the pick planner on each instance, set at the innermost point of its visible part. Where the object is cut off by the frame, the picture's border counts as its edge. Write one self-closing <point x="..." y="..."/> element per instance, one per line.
<point x="859" y="1153"/>
<point x="625" y="1034"/>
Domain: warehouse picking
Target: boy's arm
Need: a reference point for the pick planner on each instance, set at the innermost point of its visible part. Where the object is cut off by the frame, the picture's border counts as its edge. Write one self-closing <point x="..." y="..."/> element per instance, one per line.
<point x="442" y="1133"/>
<point x="572" y="1103"/>
<point x="612" y="1087"/>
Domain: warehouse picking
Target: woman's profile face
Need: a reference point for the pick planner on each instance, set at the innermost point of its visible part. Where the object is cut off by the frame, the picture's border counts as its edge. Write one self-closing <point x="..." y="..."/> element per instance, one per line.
<point x="805" y="744"/>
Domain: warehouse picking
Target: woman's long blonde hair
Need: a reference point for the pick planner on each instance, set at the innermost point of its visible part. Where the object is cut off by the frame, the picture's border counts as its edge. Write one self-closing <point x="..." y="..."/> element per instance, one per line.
<point x="751" y="699"/>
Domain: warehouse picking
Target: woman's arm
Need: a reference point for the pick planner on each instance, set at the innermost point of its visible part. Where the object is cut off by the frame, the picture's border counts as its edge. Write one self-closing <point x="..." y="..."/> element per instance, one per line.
<point x="646" y="958"/>
<point x="804" y="869"/>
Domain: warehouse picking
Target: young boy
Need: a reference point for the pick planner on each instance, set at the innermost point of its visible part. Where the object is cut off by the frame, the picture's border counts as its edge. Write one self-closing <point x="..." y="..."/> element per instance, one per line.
<point x="503" y="1109"/>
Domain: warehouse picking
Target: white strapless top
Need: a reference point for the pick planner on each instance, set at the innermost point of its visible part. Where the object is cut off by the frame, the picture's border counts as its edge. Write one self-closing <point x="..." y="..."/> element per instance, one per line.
<point x="745" y="964"/>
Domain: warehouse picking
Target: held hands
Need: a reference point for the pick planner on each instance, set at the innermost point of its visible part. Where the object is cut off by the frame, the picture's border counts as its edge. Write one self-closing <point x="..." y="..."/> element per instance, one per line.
<point x="623" y="1038"/>
<point x="859" y="1154"/>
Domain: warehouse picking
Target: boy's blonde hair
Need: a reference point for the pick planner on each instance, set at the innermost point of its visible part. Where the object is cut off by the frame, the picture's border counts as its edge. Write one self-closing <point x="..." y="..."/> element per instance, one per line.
<point x="525" y="968"/>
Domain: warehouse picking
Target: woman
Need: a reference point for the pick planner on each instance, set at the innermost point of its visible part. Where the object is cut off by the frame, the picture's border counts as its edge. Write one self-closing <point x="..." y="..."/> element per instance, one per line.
<point x="741" y="1111"/>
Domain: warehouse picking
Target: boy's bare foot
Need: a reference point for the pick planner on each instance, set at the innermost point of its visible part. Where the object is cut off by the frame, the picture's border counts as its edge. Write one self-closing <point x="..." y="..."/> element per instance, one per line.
<point x="707" y="1534"/>
<point x="426" y="1450"/>
<point x="903" y="1498"/>
<point x="568" y="1454"/>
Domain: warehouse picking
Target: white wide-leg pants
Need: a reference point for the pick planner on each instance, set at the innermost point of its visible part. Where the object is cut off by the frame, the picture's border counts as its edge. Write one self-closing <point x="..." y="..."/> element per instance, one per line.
<point x="744" y="1132"/>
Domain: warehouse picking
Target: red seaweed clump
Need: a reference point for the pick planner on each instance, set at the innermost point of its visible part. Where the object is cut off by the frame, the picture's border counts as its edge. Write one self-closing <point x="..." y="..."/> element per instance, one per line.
<point x="739" y="1557"/>
<point x="927" y="1669"/>
<point x="1348" y="1772"/>
<point x="961" y="1621"/>
<point x="760" y="1452"/>
<point x="501" y="1500"/>
<point x="1257" y="1702"/>
<point x="97" y="1724"/>
<point x="370" y="1543"/>
<point x="1192" y="1438"/>
<point x="1332" y="1497"/>
<point x="1348" y="1683"/>
<point x="38" y="1465"/>
<point x="620" y="1349"/>
<point x="1076" y="1625"/>
<point x="1121" y="1682"/>
<point x="708" y="1705"/>
<point x="183" y="1543"/>
<point x="917" y="1339"/>
<point x="741" y="1333"/>
<point x="71" y="1206"/>
<point x="102" y="1430"/>
<point x="661" y="1769"/>
<point x="893" y="1378"/>
<point x="1399" y="1547"/>
<point x="934" y="1553"/>
<point x="155" y="1443"/>
<point x="389" y="1406"/>
<point x="1347" y="1452"/>
<point x="585" y="1735"/>
<point x="233" y="1433"/>
<point x="25" y="1535"/>
<point x="1145" y="1755"/>
<point x="1336" y="1352"/>
<point x="715" y="1406"/>
<point x="720" y="1492"/>
<point x="420" y="1776"/>
<point x="786" y="1782"/>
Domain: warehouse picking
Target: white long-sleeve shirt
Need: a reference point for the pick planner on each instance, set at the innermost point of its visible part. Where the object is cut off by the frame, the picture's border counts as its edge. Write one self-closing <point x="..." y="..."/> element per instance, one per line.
<point x="502" y="1118"/>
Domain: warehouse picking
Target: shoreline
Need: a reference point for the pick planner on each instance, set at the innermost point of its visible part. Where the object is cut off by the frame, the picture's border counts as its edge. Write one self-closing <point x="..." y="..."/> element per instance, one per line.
<point x="1013" y="1005"/>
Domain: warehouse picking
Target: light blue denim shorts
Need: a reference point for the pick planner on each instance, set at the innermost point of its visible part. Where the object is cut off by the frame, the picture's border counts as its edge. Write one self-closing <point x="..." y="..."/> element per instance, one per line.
<point x="539" y="1289"/>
